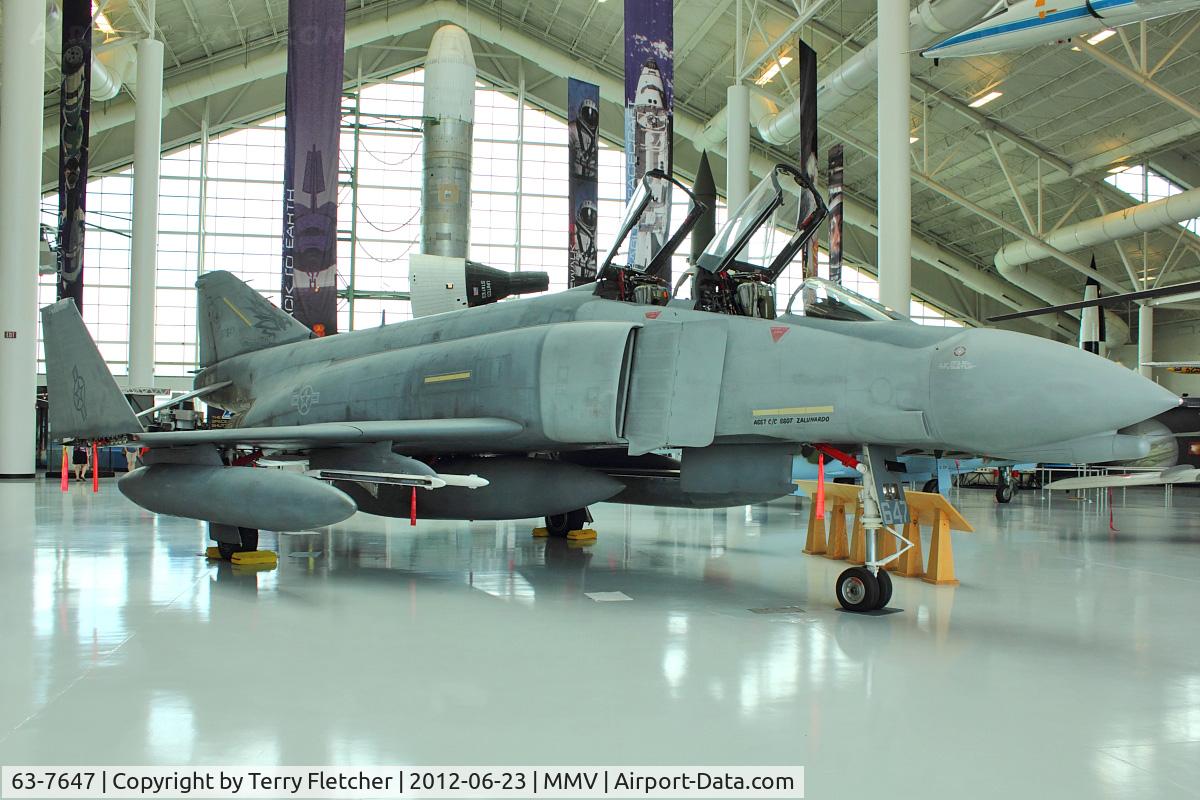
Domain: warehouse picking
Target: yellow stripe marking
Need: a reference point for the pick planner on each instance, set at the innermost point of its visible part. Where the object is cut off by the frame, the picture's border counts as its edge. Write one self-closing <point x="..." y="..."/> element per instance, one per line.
<point x="234" y="309"/>
<point x="449" y="376"/>
<point x="771" y="412"/>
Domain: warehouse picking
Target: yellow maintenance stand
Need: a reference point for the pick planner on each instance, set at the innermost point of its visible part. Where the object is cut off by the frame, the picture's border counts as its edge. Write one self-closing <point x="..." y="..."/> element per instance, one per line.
<point x="924" y="508"/>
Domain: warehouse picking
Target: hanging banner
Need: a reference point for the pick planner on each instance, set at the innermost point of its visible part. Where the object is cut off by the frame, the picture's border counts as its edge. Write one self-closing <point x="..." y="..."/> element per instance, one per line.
<point x="807" y="100"/>
<point x="583" y="141"/>
<point x="316" y="50"/>
<point x="75" y="101"/>
<point x="836" y="170"/>
<point x="649" y="93"/>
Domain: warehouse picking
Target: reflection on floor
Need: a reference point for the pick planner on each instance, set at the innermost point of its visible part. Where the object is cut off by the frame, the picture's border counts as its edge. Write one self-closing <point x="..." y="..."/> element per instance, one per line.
<point x="1067" y="662"/>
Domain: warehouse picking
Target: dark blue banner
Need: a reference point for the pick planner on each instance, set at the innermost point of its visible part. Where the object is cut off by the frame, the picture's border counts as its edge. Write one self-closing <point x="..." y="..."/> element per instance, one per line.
<point x="316" y="52"/>
<point x="583" y="127"/>
<point x="74" y="111"/>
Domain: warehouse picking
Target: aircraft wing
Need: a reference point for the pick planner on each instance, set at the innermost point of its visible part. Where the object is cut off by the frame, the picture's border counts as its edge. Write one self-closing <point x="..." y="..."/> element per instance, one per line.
<point x="447" y="433"/>
<point x="1180" y="474"/>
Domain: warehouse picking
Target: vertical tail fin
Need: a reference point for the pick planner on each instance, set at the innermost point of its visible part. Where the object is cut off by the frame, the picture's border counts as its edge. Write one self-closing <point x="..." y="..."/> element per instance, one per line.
<point x="85" y="401"/>
<point x="235" y="319"/>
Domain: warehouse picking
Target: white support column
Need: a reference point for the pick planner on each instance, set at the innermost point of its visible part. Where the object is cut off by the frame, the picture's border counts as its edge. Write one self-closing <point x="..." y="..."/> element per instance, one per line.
<point x="23" y="42"/>
<point x="737" y="149"/>
<point x="147" y="151"/>
<point x="1145" y="340"/>
<point x="895" y="189"/>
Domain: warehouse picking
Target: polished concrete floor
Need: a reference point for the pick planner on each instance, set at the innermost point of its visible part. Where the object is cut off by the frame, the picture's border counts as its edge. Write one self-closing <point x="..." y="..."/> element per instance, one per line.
<point x="1066" y="664"/>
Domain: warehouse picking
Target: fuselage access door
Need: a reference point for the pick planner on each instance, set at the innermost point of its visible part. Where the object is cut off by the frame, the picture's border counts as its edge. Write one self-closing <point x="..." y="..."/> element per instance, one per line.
<point x="676" y="385"/>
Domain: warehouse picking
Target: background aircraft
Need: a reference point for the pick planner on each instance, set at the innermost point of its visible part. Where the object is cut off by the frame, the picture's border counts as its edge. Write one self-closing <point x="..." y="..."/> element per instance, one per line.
<point x="1028" y="23"/>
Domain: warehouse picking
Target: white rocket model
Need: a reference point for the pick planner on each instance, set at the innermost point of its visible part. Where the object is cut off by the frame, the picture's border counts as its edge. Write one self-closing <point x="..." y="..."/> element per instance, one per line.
<point x="1021" y="24"/>
<point x="652" y="142"/>
<point x="450" y="117"/>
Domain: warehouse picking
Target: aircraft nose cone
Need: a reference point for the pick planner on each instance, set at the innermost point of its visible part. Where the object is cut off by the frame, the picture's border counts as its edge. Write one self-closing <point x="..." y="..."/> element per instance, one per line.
<point x="998" y="390"/>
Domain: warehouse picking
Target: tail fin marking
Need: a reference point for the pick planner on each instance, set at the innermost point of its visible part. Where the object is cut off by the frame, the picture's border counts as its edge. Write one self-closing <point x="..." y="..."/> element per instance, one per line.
<point x="235" y="319"/>
<point x="85" y="401"/>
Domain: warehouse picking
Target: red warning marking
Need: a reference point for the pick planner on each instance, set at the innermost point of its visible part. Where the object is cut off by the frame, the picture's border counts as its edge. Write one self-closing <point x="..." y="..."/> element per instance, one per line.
<point x="652" y="314"/>
<point x="777" y="332"/>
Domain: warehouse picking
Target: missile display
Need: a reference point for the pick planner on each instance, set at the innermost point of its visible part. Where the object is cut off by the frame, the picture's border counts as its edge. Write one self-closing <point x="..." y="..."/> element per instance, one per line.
<point x="514" y="488"/>
<point x="440" y="284"/>
<point x="450" y="116"/>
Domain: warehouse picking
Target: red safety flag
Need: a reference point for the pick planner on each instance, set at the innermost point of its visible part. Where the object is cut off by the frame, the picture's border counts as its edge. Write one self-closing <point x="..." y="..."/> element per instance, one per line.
<point x="412" y="517"/>
<point x="820" y="484"/>
<point x="65" y="459"/>
<point x="95" y="469"/>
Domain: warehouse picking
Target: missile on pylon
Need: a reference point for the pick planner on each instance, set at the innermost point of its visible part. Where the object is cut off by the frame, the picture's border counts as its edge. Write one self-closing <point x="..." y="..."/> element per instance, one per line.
<point x="449" y="111"/>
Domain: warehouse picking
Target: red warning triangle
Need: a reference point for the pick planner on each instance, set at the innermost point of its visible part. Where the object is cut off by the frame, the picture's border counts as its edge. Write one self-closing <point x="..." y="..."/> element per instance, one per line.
<point x="777" y="332"/>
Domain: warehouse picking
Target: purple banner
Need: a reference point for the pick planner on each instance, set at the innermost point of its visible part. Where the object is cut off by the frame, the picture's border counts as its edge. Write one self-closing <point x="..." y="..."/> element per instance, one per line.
<point x="316" y="51"/>
<point x="836" y="176"/>
<point x="73" y="116"/>
<point x="808" y="142"/>
<point x="583" y="131"/>
<point x="649" y="95"/>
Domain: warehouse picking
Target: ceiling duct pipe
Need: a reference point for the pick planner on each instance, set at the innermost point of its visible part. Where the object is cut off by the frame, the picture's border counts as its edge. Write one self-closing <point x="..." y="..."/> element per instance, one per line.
<point x="1121" y="224"/>
<point x="1012" y="259"/>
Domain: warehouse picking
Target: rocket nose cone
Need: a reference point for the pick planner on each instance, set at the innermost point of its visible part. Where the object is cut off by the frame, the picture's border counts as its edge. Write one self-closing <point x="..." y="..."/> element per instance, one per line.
<point x="451" y="45"/>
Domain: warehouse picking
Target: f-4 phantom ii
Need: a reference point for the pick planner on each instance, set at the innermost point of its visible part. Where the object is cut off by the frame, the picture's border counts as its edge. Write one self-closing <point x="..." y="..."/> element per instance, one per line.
<point x="539" y="407"/>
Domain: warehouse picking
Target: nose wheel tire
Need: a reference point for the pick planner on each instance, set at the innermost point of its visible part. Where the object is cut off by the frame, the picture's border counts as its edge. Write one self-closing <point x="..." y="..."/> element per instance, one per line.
<point x="858" y="589"/>
<point x="1005" y="492"/>
<point x="562" y="524"/>
<point x="885" y="589"/>
<point x="249" y="542"/>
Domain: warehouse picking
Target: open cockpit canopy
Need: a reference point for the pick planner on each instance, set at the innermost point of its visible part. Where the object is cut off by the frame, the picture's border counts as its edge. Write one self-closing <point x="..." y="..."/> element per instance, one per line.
<point x="756" y="239"/>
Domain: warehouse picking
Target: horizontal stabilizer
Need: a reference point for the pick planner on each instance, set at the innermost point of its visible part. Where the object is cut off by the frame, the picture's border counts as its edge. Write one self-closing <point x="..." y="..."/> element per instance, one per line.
<point x="471" y="433"/>
<point x="85" y="401"/>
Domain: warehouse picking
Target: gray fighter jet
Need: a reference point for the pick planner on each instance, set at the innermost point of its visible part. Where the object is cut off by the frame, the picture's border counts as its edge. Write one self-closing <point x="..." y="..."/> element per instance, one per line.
<point x="539" y="407"/>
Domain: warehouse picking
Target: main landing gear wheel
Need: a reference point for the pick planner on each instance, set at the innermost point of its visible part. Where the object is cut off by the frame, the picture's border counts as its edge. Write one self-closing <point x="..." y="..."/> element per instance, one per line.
<point x="249" y="543"/>
<point x="562" y="524"/>
<point x="858" y="589"/>
<point x="930" y="486"/>
<point x="1005" y="491"/>
<point x="885" y="589"/>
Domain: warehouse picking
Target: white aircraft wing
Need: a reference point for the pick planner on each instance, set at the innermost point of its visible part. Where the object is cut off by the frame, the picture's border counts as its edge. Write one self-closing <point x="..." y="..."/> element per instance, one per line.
<point x="1179" y="474"/>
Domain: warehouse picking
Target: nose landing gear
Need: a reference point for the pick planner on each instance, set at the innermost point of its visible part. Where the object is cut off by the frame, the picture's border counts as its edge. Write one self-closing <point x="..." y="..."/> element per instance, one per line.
<point x="869" y="587"/>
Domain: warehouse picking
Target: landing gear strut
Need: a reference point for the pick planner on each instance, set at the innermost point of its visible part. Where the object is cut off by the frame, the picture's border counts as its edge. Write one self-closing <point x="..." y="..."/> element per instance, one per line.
<point x="869" y="587"/>
<point x="247" y="541"/>
<point x="562" y="524"/>
<point x="1006" y="486"/>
